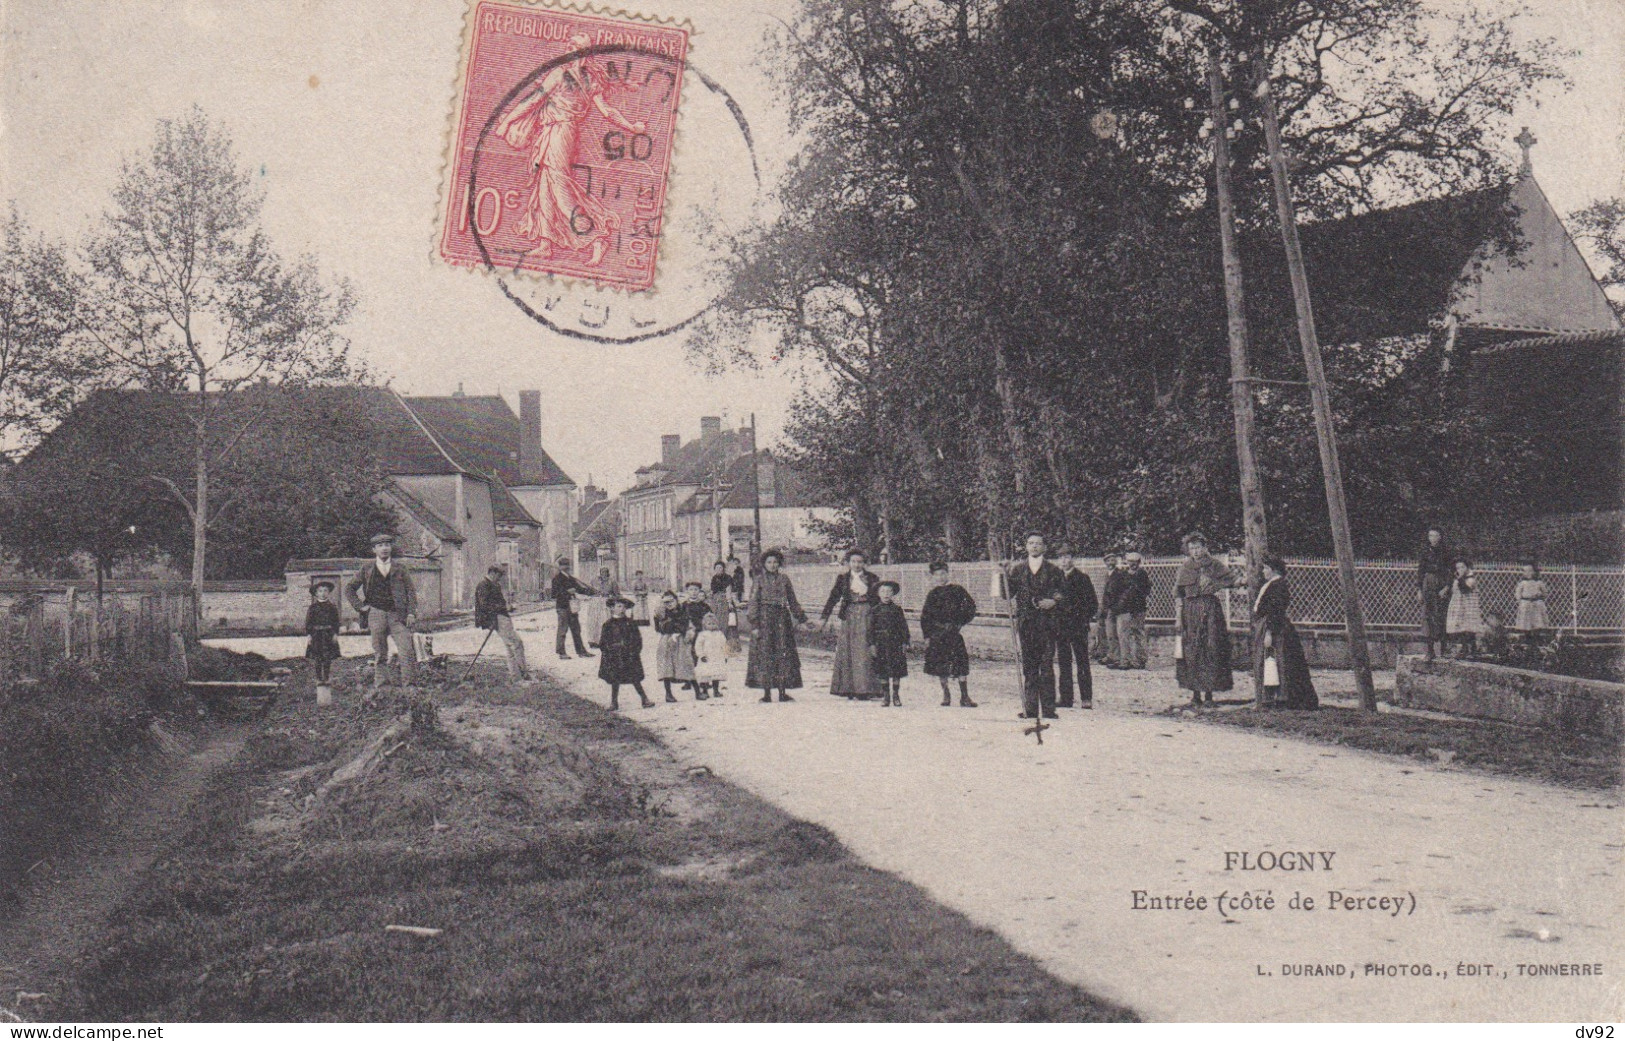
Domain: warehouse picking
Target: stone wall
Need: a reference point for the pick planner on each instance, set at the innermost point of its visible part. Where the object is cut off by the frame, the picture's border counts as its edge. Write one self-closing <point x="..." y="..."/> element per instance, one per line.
<point x="1486" y="691"/>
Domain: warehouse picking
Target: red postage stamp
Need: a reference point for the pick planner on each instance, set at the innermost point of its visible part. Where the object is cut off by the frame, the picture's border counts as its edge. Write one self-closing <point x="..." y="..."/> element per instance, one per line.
<point x="563" y="143"/>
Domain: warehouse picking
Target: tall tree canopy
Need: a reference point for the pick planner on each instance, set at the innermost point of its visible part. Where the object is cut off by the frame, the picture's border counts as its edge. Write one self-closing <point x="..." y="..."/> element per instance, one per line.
<point x="998" y="249"/>
<point x="186" y="294"/>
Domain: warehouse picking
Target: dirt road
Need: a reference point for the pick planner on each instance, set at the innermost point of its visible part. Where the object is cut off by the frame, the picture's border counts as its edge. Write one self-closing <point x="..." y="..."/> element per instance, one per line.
<point x="1050" y="845"/>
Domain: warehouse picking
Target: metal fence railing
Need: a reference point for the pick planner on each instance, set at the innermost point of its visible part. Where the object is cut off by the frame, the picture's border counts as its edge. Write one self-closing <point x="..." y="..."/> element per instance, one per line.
<point x="1582" y="599"/>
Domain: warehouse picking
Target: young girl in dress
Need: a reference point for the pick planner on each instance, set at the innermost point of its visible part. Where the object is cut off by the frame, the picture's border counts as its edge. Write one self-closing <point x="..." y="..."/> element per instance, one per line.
<point x="888" y="643"/>
<point x="672" y="663"/>
<point x="1532" y="618"/>
<point x="710" y="658"/>
<point x="620" y="653"/>
<point x="1465" y="618"/>
<point x="322" y="626"/>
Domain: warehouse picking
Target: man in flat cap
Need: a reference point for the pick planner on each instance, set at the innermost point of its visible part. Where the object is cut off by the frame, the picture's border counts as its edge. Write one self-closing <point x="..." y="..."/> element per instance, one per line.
<point x="564" y="589"/>
<point x="491" y="612"/>
<point x="384" y="590"/>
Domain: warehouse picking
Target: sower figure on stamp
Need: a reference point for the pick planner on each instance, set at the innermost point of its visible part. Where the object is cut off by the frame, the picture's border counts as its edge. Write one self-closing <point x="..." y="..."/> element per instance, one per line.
<point x="948" y="608"/>
<point x="564" y="589"/>
<point x="1072" y="619"/>
<point x="491" y="613"/>
<point x="383" y="589"/>
<point x="558" y="212"/>
<point x="1035" y="588"/>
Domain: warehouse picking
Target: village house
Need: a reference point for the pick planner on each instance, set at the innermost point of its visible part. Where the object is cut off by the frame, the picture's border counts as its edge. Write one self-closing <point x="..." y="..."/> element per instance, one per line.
<point x="1494" y="279"/>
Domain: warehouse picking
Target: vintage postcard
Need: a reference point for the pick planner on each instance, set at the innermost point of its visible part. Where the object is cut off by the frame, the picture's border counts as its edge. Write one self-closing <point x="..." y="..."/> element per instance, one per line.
<point x="781" y="511"/>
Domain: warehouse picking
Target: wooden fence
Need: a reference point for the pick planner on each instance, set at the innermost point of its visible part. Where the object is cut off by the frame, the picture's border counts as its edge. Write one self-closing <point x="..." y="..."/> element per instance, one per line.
<point x="44" y="625"/>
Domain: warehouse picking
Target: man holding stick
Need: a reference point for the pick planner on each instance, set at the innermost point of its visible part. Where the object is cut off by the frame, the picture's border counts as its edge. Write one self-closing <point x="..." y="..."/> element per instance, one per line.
<point x="1036" y="590"/>
<point x="491" y="613"/>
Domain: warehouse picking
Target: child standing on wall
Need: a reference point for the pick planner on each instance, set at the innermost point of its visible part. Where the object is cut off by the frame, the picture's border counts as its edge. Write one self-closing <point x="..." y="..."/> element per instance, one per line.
<point x="710" y="657"/>
<point x="888" y="643"/>
<point x="322" y="626"/>
<point x="620" y="650"/>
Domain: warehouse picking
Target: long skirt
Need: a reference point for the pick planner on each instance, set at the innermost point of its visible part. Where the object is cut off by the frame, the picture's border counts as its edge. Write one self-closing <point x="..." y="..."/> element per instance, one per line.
<point x="673" y="658"/>
<point x="722" y="607"/>
<point x="1296" y="689"/>
<point x="1465" y="614"/>
<point x="854" y="675"/>
<point x="1434" y="605"/>
<point x="1205" y="641"/>
<point x="593" y="616"/>
<point x="774" y="663"/>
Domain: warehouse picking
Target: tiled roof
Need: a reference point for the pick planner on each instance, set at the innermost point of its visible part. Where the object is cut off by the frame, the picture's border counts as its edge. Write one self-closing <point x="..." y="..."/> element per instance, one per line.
<point x="697" y="460"/>
<point x="1558" y="340"/>
<point x="425" y="515"/>
<point x="505" y="508"/>
<point x="482" y="433"/>
<point x="739" y="488"/>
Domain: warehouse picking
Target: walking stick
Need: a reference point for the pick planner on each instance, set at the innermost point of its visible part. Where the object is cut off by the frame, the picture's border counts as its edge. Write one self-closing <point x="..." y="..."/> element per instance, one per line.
<point x="1039" y="726"/>
<point x="476" y="659"/>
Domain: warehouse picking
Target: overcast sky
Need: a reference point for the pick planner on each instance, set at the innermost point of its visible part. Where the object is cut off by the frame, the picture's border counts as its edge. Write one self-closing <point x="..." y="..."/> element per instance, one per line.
<point x="344" y="105"/>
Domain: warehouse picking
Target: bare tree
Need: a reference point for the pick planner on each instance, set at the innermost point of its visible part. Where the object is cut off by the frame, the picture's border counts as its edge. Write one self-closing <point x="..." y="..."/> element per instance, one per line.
<point x="188" y="296"/>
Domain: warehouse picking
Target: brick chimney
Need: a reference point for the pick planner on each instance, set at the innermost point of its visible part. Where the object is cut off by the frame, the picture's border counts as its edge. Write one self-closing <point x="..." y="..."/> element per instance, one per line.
<point x="670" y="445"/>
<point x="530" y="437"/>
<point x="710" y="428"/>
<point x="747" y="439"/>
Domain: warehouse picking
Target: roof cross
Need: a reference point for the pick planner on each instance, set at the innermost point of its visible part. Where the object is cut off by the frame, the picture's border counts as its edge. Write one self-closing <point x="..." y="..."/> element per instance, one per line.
<point x="1526" y="141"/>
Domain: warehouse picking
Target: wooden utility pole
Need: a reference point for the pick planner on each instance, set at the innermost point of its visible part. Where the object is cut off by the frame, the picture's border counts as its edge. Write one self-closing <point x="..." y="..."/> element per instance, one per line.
<point x="1254" y="527"/>
<point x="756" y="500"/>
<point x="1326" y="434"/>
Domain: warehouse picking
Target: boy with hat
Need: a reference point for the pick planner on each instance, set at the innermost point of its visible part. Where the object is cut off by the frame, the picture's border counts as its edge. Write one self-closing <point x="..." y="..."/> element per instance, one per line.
<point x="1072" y="618"/>
<point x="888" y="642"/>
<point x="491" y="612"/>
<point x="322" y="626"/>
<point x="383" y="589"/>
<point x="1133" y="593"/>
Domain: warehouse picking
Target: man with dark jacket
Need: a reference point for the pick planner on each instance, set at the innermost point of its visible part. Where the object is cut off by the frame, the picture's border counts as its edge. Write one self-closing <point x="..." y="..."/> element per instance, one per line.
<point x="1073" y="616"/>
<point x="383" y="590"/>
<point x="1035" y="589"/>
<point x="1133" y="593"/>
<point x="491" y="613"/>
<point x="1113" y="656"/>
<point x="565" y="586"/>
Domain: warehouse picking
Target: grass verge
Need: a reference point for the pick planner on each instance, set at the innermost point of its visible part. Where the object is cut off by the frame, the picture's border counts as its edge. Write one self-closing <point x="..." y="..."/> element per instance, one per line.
<point x="576" y="873"/>
<point x="1570" y="760"/>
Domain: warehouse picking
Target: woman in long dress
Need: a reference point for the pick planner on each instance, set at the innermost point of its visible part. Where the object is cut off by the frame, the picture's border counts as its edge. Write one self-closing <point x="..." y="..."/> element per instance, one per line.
<point x="851" y="599"/>
<point x="773" y="614"/>
<point x="1204" y="662"/>
<point x="1275" y="637"/>
<point x="723" y="604"/>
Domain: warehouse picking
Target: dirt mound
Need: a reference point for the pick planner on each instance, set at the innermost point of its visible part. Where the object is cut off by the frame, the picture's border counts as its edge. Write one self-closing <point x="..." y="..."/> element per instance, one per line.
<point x="480" y="773"/>
<point x="219" y="665"/>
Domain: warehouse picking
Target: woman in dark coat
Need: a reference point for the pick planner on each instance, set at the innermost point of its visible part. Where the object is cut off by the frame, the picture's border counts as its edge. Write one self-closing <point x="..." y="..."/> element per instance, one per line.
<point x="1433" y="572"/>
<point x="851" y="599"/>
<point x="1274" y="636"/>
<point x="1203" y="665"/>
<point x="773" y="614"/>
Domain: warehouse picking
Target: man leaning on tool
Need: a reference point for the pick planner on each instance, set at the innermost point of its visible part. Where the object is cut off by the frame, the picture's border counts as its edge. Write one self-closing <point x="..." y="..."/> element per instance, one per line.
<point x="565" y="587"/>
<point x="491" y="612"/>
<point x="385" y="591"/>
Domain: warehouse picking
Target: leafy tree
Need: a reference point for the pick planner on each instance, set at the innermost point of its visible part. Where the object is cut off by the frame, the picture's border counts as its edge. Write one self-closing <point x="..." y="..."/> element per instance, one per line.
<point x="42" y="363"/>
<point x="1601" y="228"/>
<point x="996" y="246"/>
<point x="187" y="295"/>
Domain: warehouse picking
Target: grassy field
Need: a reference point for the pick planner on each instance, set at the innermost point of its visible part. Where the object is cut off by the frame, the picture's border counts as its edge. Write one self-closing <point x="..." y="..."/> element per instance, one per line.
<point x="1501" y="748"/>
<point x="576" y="873"/>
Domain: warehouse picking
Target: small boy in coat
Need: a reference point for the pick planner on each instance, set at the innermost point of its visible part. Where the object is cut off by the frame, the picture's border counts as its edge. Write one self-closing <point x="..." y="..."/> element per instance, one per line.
<point x="888" y="643"/>
<point x="620" y="650"/>
<point x="322" y="626"/>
